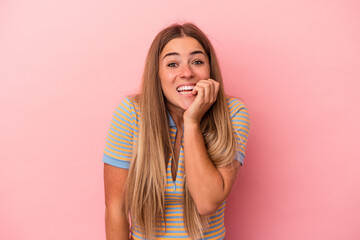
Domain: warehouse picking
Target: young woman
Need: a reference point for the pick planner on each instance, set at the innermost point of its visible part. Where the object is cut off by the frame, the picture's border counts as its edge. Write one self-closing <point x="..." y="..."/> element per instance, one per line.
<point x="173" y="151"/>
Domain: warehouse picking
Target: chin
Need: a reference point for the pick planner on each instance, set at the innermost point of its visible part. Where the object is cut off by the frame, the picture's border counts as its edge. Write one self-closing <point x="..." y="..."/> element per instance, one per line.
<point x="187" y="104"/>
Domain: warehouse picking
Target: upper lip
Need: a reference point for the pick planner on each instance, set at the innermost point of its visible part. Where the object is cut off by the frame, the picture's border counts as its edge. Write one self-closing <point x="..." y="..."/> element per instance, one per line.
<point x="186" y="84"/>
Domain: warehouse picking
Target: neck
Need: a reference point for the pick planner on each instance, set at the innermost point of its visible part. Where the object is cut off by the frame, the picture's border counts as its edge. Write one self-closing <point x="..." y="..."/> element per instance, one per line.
<point x="177" y="116"/>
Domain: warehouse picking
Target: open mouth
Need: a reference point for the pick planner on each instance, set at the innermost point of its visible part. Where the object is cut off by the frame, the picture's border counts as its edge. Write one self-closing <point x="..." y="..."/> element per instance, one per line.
<point x="186" y="89"/>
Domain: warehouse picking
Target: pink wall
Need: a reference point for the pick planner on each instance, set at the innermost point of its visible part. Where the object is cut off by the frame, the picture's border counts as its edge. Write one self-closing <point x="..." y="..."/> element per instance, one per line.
<point x="65" y="65"/>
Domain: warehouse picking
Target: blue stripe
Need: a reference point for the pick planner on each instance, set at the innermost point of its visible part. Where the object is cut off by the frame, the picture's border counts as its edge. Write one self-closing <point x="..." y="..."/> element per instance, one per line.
<point x="173" y="221"/>
<point x="169" y="204"/>
<point x="174" y="212"/>
<point x="174" y="208"/>
<point x="115" y="162"/>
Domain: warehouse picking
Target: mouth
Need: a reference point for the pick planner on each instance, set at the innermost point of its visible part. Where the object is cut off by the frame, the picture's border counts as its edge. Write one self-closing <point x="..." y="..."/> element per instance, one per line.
<point x="185" y="89"/>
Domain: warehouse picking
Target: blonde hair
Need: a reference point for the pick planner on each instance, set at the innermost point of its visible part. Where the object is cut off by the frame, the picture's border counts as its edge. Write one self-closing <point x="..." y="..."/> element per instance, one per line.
<point x="146" y="182"/>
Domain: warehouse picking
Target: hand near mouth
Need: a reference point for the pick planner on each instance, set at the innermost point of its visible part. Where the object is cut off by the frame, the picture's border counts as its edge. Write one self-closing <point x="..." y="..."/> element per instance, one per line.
<point x="206" y="92"/>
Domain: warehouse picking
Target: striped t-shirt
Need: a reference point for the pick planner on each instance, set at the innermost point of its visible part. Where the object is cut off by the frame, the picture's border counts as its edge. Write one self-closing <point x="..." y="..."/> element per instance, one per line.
<point x="123" y="132"/>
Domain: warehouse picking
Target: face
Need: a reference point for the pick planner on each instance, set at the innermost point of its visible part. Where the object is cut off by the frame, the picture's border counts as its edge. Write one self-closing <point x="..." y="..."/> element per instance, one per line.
<point x="183" y="62"/>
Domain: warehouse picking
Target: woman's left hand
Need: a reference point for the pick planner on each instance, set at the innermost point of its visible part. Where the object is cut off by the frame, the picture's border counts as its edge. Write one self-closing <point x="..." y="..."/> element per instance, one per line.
<point x="207" y="91"/>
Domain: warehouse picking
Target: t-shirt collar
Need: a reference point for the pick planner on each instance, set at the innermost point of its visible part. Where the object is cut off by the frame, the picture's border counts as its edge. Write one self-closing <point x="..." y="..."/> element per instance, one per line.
<point x="171" y="121"/>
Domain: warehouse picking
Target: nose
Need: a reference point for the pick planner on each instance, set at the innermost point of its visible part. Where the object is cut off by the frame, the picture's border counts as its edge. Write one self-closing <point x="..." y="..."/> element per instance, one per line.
<point x="185" y="71"/>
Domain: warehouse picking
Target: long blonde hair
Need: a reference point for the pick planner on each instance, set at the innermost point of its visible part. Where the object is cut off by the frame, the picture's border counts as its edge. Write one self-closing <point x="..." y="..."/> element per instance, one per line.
<point x="146" y="182"/>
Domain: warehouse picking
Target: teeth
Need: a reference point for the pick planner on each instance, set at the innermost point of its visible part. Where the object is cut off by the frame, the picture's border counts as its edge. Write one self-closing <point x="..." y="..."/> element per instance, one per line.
<point x="185" y="88"/>
<point x="185" y="93"/>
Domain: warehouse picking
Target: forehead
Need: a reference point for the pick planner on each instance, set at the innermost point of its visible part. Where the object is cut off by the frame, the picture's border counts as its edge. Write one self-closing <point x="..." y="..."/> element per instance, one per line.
<point x="183" y="45"/>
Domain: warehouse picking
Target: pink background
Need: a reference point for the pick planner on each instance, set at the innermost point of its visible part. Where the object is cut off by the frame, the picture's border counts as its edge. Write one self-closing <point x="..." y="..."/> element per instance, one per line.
<point x="65" y="65"/>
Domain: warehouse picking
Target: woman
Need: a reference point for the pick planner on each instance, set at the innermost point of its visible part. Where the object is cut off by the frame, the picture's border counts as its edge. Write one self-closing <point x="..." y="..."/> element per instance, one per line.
<point x="172" y="169"/>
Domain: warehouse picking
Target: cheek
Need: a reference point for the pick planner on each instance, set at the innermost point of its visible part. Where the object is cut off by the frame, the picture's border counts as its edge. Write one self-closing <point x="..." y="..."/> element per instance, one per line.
<point x="166" y="86"/>
<point x="203" y="73"/>
<point x="169" y="75"/>
<point x="167" y="78"/>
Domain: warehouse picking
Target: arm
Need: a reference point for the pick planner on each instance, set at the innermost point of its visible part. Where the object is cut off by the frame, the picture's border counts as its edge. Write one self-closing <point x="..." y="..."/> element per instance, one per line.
<point x="116" y="221"/>
<point x="117" y="157"/>
<point x="209" y="186"/>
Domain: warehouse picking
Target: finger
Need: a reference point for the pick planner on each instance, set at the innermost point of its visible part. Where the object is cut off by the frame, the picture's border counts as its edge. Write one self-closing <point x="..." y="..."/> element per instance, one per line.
<point x="216" y="88"/>
<point x="211" y="92"/>
<point x="206" y="85"/>
<point x="199" y="91"/>
<point x="198" y="87"/>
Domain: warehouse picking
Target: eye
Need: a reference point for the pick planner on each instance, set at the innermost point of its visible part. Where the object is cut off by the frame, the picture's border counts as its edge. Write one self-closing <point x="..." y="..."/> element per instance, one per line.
<point x="198" y="62"/>
<point x="172" y="65"/>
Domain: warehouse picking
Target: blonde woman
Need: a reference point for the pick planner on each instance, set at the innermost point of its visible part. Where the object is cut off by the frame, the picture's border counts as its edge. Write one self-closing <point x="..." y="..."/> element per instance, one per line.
<point x="173" y="151"/>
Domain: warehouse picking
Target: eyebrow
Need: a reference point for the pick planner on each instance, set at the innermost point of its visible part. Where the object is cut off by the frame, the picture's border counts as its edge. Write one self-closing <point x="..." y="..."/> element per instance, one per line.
<point x="192" y="53"/>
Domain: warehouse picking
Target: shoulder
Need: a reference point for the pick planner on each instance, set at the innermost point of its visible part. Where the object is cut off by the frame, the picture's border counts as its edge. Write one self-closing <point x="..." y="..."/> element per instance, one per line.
<point x="236" y="106"/>
<point x="128" y="107"/>
<point x="130" y="102"/>
<point x="133" y="100"/>
<point x="240" y="121"/>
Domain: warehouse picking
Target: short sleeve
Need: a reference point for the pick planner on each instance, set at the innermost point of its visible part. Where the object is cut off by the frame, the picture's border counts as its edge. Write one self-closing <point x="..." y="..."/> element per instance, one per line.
<point x="240" y="120"/>
<point x="120" y="138"/>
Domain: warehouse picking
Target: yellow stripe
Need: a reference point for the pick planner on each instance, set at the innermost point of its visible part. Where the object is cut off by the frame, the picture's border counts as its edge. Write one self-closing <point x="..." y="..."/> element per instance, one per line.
<point x="117" y="157"/>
